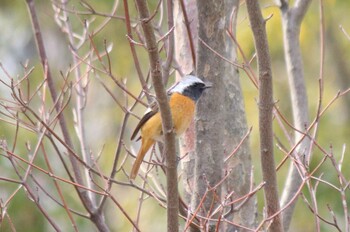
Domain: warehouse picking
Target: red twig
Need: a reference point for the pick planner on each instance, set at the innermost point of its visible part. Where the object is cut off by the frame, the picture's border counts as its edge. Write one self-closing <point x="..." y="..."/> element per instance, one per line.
<point x="189" y="32"/>
<point x="133" y="50"/>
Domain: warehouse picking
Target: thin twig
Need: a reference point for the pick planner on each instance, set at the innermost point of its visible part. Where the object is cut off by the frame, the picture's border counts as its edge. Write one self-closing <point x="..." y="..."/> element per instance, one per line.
<point x="98" y="219"/>
<point x="189" y="32"/>
<point x="133" y="51"/>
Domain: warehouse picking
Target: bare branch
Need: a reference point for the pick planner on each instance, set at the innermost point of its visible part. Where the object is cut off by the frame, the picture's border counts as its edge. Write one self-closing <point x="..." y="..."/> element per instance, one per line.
<point x="133" y="51"/>
<point x="98" y="220"/>
<point x="170" y="35"/>
<point x="299" y="10"/>
<point x="189" y="32"/>
<point x="344" y="32"/>
<point x="265" y="114"/>
<point x="169" y="136"/>
<point x="291" y="20"/>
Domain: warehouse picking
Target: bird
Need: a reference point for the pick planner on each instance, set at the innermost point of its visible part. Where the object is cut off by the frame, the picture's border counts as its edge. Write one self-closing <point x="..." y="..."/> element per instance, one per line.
<point x="183" y="97"/>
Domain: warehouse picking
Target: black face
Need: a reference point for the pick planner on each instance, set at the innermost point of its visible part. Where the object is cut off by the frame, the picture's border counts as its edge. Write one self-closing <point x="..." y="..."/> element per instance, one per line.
<point x="195" y="91"/>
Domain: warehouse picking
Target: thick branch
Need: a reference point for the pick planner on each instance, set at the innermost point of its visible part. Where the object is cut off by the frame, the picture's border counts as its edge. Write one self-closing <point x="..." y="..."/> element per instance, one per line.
<point x="169" y="136"/>
<point x="291" y="20"/>
<point x="265" y="113"/>
<point x="299" y="10"/>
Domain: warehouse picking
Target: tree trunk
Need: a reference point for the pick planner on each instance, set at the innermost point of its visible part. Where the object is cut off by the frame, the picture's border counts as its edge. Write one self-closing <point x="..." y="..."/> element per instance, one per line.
<point x="185" y="61"/>
<point x="209" y="137"/>
<point x="220" y="122"/>
<point x="235" y="125"/>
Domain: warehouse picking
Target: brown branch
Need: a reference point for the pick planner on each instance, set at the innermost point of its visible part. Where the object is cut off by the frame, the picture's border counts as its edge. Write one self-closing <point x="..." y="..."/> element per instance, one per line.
<point x="233" y="63"/>
<point x="30" y="192"/>
<point x="42" y="187"/>
<point x="169" y="136"/>
<point x="79" y="103"/>
<point x="170" y="35"/>
<point x="189" y="32"/>
<point x="13" y="155"/>
<point x="90" y="11"/>
<point x="9" y="180"/>
<point x="58" y="188"/>
<point x="133" y="50"/>
<point x="239" y="145"/>
<point x="265" y="114"/>
<point x="117" y="154"/>
<point x="96" y="217"/>
<point x="107" y="72"/>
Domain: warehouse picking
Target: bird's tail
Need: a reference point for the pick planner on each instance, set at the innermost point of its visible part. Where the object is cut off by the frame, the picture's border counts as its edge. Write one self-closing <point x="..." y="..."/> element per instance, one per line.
<point x="146" y="144"/>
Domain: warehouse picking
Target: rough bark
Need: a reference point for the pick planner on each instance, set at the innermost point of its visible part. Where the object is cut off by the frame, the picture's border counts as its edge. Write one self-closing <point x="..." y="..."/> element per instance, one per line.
<point x="184" y="58"/>
<point x="236" y="127"/>
<point x="209" y="137"/>
<point x="231" y="110"/>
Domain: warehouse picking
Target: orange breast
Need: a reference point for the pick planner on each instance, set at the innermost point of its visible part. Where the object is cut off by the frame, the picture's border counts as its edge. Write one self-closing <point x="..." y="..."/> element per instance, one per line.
<point x="182" y="110"/>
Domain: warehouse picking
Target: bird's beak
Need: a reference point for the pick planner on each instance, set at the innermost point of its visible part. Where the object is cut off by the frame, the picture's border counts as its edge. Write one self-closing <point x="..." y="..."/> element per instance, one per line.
<point x="208" y="85"/>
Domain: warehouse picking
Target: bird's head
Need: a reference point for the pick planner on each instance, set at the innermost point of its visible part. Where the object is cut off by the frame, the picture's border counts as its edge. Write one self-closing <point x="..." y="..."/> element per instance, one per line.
<point x="190" y="86"/>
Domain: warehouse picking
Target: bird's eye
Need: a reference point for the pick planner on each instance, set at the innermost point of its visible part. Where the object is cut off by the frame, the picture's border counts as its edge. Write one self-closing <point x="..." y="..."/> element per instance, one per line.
<point x="199" y="85"/>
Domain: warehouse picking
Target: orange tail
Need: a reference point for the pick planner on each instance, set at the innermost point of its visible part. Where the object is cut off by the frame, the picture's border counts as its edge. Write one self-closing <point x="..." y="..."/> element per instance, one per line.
<point x="146" y="144"/>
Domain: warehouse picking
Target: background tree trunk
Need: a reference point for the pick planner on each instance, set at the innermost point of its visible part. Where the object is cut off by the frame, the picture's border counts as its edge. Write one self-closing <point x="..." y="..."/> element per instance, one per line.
<point x="291" y="21"/>
<point x="209" y="142"/>
<point x="185" y="61"/>
<point x="217" y="134"/>
<point x="235" y="125"/>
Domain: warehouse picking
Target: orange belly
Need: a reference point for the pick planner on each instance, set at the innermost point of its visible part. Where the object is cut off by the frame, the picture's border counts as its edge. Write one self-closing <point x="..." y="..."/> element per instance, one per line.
<point x="182" y="111"/>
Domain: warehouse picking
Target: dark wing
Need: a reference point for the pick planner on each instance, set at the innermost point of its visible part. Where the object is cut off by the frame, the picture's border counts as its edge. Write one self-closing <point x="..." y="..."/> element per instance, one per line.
<point x="152" y="111"/>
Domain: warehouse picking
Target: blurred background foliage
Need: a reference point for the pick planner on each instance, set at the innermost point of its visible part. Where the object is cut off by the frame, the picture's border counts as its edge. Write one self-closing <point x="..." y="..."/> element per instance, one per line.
<point x="103" y="116"/>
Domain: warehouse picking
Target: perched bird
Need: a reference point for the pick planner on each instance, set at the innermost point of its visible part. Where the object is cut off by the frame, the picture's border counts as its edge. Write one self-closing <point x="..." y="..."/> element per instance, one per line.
<point x="182" y="101"/>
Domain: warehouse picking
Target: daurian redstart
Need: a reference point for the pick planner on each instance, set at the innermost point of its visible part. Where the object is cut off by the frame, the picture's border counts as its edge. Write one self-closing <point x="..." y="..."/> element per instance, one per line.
<point x="182" y="101"/>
